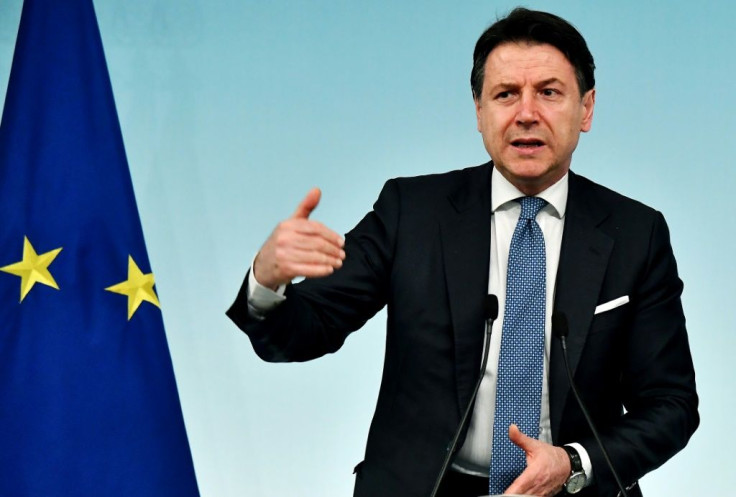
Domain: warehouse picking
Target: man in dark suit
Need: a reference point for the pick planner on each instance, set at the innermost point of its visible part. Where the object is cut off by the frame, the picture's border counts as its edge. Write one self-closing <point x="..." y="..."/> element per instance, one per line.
<point x="434" y="246"/>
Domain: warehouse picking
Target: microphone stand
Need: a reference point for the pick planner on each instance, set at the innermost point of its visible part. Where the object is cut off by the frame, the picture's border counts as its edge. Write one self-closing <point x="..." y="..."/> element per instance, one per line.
<point x="560" y="329"/>
<point x="490" y="310"/>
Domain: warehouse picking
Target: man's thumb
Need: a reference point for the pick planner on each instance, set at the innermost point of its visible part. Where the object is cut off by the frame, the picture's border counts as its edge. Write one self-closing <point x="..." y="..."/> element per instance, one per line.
<point x="307" y="205"/>
<point x="519" y="438"/>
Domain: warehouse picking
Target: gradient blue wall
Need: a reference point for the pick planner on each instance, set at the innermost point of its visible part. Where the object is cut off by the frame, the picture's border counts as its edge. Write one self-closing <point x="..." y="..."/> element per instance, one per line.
<point x="231" y="110"/>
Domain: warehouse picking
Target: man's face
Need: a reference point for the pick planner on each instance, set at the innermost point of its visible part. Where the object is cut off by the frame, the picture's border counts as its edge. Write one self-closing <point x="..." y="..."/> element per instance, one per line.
<point x="530" y="113"/>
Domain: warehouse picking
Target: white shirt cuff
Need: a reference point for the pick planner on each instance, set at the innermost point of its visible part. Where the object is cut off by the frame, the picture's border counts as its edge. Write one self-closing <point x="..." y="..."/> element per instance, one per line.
<point x="585" y="459"/>
<point x="261" y="299"/>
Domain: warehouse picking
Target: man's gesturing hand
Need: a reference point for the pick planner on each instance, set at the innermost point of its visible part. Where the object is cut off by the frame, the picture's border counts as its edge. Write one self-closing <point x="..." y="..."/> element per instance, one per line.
<point x="299" y="247"/>
<point x="547" y="466"/>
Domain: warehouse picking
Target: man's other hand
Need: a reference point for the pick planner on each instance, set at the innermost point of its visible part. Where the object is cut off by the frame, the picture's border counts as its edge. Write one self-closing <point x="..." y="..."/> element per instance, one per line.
<point x="547" y="466"/>
<point x="299" y="247"/>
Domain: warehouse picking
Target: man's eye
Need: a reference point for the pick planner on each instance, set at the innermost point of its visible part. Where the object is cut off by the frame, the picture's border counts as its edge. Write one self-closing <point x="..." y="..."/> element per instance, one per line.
<point x="504" y="95"/>
<point x="549" y="92"/>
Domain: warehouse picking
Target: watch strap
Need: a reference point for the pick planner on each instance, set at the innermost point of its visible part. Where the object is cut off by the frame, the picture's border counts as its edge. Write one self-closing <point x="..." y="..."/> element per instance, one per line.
<point x="575" y="462"/>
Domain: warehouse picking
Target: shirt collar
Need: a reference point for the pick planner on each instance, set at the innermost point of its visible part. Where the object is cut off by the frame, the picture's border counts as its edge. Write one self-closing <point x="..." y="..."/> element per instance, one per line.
<point x="503" y="192"/>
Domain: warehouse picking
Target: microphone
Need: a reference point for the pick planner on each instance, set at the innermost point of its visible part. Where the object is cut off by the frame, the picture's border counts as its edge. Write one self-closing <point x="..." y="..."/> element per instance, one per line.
<point x="560" y="329"/>
<point x="490" y="313"/>
<point x="490" y="310"/>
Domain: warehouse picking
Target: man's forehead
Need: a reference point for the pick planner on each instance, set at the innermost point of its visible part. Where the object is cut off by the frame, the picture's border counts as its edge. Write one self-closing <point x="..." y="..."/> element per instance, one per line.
<point x="507" y="59"/>
<point x="512" y="51"/>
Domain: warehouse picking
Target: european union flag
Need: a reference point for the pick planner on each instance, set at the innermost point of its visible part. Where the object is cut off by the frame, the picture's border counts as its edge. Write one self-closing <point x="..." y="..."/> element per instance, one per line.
<point x="88" y="400"/>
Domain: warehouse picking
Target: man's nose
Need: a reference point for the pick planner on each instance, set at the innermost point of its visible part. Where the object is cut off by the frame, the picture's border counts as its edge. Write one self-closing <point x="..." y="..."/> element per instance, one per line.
<point x="527" y="112"/>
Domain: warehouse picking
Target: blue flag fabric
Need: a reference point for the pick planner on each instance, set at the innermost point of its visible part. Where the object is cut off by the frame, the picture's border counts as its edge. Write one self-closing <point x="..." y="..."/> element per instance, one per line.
<point x="88" y="400"/>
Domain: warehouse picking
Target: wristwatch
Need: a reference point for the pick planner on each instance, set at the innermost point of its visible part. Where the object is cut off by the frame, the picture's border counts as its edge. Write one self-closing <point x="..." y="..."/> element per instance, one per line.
<point x="577" y="479"/>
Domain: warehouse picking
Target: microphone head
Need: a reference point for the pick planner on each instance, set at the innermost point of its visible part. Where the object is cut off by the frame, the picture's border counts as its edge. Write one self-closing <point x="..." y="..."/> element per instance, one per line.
<point x="559" y="324"/>
<point x="490" y="307"/>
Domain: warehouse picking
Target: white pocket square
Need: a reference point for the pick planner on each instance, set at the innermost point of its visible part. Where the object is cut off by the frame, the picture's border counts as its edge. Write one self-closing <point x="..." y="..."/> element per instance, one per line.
<point x="612" y="304"/>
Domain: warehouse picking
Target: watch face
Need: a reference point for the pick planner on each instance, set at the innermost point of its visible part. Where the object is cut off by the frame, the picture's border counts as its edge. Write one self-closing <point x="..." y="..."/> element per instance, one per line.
<point x="575" y="483"/>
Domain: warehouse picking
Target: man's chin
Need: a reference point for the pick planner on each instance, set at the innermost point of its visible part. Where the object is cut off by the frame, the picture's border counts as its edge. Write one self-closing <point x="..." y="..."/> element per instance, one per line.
<point x="531" y="179"/>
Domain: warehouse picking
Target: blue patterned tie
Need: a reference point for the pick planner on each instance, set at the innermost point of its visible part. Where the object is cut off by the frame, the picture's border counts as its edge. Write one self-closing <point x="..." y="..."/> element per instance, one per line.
<point x="519" y="383"/>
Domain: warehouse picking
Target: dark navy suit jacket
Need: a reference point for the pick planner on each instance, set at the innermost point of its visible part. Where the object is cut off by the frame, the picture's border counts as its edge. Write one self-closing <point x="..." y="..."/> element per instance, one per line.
<point x="423" y="253"/>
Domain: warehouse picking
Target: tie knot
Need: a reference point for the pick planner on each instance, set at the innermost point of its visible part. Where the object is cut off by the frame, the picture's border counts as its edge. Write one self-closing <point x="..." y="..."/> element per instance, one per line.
<point x="530" y="207"/>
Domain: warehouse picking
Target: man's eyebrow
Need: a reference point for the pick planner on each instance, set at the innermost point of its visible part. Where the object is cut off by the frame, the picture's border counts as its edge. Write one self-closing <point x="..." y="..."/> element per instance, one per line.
<point x="549" y="81"/>
<point x="504" y="85"/>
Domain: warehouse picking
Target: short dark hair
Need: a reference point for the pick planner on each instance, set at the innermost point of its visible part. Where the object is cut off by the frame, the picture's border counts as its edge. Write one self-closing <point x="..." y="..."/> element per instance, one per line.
<point x="531" y="26"/>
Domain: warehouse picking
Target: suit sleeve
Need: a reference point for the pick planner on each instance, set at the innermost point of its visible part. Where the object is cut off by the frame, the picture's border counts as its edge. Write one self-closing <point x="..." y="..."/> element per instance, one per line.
<point x="657" y="383"/>
<point x="318" y="314"/>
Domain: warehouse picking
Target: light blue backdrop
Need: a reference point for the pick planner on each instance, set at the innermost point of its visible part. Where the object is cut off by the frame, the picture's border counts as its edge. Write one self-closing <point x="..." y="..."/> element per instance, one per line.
<point x="231" y="110"/>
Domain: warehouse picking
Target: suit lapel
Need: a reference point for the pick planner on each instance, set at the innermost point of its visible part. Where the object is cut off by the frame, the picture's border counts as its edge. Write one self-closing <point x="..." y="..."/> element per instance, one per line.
<point x="583" y="260"/>
<point x="465" y="228"/>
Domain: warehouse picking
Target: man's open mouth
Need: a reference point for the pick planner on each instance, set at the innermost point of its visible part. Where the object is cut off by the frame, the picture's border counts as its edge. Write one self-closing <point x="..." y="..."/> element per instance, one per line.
<point x="527" y="143"/>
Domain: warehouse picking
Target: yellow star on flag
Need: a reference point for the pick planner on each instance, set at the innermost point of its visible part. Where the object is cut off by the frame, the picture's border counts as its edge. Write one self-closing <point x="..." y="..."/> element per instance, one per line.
<point x="138" y="287"/>
<point x="33" y="268"/>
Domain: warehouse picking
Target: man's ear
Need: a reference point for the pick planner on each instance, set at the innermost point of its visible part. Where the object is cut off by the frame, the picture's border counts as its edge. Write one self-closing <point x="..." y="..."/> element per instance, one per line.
<point x="588" y="105"/>
<point x="476" y="101"/>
